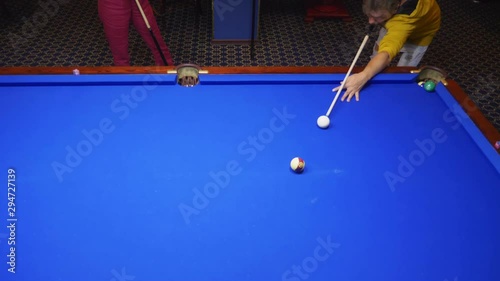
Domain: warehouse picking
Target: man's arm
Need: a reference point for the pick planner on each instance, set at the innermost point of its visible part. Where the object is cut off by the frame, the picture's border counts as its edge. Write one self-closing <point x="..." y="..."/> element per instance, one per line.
<point x="355" y="82"/>
<point x="376" y="64"/>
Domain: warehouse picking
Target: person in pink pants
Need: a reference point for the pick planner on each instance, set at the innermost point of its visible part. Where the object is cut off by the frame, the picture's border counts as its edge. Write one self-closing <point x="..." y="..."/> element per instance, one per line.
<point x="117" y="15"/>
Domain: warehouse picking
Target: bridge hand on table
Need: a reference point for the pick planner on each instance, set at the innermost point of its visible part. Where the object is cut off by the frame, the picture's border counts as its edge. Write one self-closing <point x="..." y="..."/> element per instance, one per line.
<point x="352" y="86"/>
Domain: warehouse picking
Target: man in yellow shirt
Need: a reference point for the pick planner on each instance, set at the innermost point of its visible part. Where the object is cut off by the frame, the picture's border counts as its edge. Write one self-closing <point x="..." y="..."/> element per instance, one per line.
<point x="407" y="26"/>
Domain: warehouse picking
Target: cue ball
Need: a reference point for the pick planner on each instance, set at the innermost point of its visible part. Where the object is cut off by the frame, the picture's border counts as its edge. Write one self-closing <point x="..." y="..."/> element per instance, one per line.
<point x="323" y="122"/>
<point x="298" y="164"/>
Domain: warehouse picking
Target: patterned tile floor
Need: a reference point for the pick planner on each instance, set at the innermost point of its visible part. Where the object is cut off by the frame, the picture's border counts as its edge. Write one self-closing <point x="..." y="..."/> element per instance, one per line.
<point x="69" y="33"/>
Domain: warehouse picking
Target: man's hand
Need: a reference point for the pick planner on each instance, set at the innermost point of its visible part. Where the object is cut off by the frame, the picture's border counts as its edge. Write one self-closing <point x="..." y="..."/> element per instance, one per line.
<point x="355" y="82"/>
<point x="353" y="86"/>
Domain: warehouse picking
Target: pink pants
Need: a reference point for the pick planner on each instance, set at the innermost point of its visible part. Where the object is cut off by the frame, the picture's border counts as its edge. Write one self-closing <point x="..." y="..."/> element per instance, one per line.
<point x="116" y="16"/>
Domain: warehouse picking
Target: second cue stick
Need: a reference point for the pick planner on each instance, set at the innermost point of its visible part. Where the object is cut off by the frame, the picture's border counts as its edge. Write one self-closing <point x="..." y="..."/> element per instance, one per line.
<point x="151" y="32"/>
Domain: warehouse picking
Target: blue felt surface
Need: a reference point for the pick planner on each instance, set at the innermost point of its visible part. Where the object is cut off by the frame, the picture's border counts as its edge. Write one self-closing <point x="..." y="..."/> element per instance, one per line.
<point x="116" y="212"/>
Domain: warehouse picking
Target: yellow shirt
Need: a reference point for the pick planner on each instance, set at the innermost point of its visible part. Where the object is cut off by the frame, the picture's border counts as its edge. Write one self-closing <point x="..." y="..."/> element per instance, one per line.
<point x="416" y="22"/>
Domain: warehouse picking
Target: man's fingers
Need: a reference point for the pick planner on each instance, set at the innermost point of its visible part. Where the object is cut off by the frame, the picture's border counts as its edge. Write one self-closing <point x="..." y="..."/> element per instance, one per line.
<point x="349" y="97"/>
<point x="343" y="97"/>
<point x="335" y="89"/>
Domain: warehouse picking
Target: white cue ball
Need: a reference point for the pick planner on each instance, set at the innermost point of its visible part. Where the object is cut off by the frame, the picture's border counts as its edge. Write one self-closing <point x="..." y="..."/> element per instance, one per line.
<point x="323" y="122"/>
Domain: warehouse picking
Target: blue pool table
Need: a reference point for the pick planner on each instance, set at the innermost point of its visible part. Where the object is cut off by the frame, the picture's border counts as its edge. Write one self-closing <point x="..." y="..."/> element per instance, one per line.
<point x="121" y="174"/>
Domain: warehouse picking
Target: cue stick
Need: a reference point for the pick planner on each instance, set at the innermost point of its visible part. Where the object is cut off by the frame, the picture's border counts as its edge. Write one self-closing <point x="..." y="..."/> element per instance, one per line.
<point x="252" y="47"/>
<point x="151" y="31"/>
<point x="348" y="73"/>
